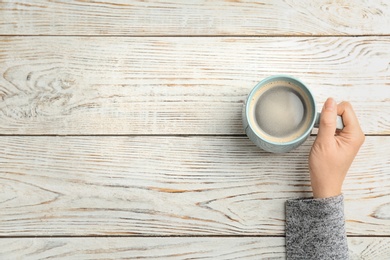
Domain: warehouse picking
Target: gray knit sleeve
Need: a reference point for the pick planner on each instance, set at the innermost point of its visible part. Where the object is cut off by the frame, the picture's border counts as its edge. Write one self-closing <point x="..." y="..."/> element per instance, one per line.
<point x="315" y="229"/>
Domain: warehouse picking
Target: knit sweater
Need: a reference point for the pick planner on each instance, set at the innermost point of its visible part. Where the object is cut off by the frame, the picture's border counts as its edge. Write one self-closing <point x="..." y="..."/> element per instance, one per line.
<point x="315" y="229"/>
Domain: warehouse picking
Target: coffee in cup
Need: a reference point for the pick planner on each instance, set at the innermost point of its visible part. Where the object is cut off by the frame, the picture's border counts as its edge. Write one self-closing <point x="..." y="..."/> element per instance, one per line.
<point x="279" y="114"/>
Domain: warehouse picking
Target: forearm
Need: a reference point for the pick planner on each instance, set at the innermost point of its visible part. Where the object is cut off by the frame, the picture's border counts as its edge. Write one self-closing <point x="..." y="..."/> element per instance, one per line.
<point x="315" y="229"/>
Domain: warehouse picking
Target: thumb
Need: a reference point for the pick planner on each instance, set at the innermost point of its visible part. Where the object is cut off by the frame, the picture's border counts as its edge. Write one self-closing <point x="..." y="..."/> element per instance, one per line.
<point x="327" y="126"/>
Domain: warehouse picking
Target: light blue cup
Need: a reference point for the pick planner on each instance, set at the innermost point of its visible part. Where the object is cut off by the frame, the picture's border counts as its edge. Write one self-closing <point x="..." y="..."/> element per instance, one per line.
<point x="280" y="144"/>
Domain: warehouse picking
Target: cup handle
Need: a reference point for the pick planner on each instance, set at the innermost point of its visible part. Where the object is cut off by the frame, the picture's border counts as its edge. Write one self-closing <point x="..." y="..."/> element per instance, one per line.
<point x="339" y="122"/>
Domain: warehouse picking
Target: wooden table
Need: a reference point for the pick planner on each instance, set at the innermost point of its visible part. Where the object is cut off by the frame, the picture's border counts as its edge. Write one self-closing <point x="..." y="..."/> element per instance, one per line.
<point x="121" y="127"/>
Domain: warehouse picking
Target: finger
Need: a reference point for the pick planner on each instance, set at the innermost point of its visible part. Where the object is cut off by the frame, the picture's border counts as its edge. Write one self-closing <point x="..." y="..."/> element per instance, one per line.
<point x="345" y="110"/>
<point x="327" y="127"/>
<point x="351" y="123"/>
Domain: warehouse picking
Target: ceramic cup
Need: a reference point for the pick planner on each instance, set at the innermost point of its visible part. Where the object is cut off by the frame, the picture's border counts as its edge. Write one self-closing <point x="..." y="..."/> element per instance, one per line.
<point x="280" y="113"/>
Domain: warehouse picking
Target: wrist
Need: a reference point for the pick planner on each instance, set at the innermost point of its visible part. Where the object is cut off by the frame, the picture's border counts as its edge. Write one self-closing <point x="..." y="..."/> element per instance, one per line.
<point x="325" y="191"/>
<point x="325" y="194"/>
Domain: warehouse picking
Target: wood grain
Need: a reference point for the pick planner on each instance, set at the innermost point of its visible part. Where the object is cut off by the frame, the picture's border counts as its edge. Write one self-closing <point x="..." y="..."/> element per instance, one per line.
<point x="267" y="17"/>
<point x="172" y="248"/>
<point x="76" y="85"/>
<point x="182" y="182"/>
<point x="145" y="185"/>
<point x="143" y="248"/>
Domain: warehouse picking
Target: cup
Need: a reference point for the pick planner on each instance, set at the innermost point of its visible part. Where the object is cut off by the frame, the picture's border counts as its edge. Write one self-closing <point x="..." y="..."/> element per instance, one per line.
<point x="280" y="113"/>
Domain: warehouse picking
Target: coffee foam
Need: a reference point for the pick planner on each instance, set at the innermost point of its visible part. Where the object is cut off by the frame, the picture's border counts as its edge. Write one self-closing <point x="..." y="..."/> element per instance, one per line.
<point x="284" y="115"/>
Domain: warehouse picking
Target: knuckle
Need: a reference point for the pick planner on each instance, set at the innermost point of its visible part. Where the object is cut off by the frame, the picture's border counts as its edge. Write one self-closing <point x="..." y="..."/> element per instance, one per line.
<point x="359" y="139"/>
<point x="362" y="138"/>
<point x="346" y="105"/>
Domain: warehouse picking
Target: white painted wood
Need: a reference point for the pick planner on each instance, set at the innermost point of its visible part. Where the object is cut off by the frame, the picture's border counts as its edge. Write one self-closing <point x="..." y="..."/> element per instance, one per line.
<point x="172" y="248"/>
<point x="144" y="248"/>
<point x="369" y="248"/>
<point x="168" y="185"/>
<point x="267" y="17"/>
<point x="85" y="186"/>
<point x="165" y="86"/>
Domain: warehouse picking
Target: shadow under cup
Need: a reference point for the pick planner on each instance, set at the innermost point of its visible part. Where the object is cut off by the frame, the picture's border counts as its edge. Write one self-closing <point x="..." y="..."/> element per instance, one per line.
<point x="279" y="114"/>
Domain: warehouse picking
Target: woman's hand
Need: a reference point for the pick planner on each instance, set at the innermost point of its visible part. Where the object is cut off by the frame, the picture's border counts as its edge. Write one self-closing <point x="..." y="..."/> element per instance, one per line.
<point x="333" y="152"/>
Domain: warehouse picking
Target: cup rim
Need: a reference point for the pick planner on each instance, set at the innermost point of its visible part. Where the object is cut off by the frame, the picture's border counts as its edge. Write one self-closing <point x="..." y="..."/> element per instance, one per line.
<point x="301" y="85"/>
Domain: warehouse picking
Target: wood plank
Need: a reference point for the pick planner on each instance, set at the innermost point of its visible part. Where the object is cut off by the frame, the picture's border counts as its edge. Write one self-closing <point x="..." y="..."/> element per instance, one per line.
<point x="172" y="248"/>
<point x="148" y="185"/>
<point x="71" y="85"/>
<point x="267" y="17"/>
<point x="143" y="248"/>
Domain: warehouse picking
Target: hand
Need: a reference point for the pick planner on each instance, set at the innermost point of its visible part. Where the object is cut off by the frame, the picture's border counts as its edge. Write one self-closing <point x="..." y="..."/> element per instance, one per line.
<point x="333" y="152"/>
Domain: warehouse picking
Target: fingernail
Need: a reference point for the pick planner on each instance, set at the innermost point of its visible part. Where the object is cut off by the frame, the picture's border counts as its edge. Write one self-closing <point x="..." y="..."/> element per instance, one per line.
<point x="330" y="104"/>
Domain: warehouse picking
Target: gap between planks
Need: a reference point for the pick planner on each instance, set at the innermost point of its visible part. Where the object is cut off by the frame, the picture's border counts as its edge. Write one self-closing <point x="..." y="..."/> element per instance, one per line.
<point x="198" y="36"/>
<point x="176" y="236"/>
<point x="146" y="135"/>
